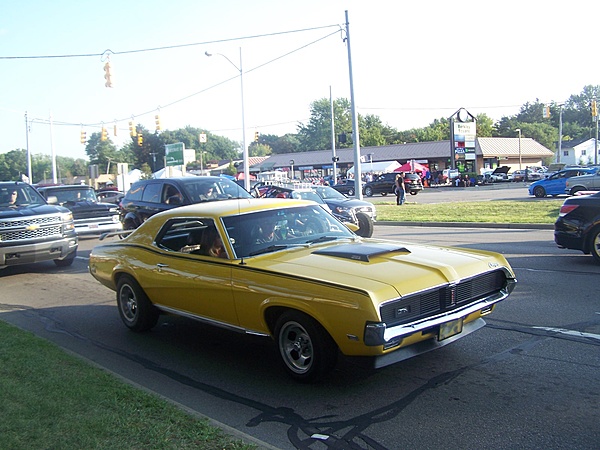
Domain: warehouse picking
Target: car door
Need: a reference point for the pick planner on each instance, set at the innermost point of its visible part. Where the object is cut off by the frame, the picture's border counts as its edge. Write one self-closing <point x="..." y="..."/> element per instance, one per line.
<point x="193" y="284"/>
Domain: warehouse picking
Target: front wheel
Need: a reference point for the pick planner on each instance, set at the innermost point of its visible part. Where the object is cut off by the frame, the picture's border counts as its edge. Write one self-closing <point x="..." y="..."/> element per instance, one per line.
<point x="595" y="244"/>
<point x="306" y="349"/>
<point x="135" y="308"/>
<point x="539" y="192"/>
<point x="414" y="192"/>
<point x="365" y="225"/>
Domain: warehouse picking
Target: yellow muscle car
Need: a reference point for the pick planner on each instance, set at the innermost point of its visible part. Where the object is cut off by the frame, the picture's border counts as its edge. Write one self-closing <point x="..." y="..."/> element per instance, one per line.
<point x="289" y="270"/>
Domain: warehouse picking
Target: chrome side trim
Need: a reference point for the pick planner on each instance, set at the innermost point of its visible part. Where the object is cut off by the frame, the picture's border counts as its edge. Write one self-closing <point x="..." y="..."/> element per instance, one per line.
<point x="209" y="321"/>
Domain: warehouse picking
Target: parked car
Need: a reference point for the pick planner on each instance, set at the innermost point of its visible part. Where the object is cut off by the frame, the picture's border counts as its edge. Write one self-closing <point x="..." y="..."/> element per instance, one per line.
<point x="578" y="225"/>
<point x="110" y="196"/>
<point x="346" y="187"/>
<point x="556" y="184"/>
<point x="31" y="230"/>
<point x="365" y="212"/>
<point x="363" y="223"/>
<point x="90" y="215"/>
<point x="589" y="182"/>
<point x="148" y="197"/>
<point x="499" y="174"/>
<point x="294" y="273"/>
<point x="384" y="184"/>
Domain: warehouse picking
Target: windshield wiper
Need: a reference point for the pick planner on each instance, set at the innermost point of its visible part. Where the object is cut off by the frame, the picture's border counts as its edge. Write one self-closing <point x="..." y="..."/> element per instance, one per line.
<point x="322" y="239"/>
<point x="269" y="249"/>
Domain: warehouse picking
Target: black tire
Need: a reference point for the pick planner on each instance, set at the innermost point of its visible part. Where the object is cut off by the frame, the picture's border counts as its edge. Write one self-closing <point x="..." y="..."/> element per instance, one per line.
<point x="414" y="192"/>
<point x="595" y="244"/>
<point x="136" y="310"/>
<point x="127" y="226"/>
<point x="575" y="190"/>
<point x="384" y="194"/>
<point x="365" y="225"/>
<point x="351" y="192"/>
<point x="307" y="351"/>
<point x="369" y="191"/>
<point x="539" y="192"/>
<point x="67" y="261"/>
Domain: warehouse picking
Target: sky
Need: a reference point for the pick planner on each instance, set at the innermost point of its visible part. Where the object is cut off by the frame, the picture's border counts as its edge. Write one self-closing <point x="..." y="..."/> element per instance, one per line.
<point x="412" y="62"/>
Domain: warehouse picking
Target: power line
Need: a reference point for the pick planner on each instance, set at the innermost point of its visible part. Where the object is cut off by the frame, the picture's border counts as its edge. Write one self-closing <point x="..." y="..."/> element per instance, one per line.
<point x="169" y="47"/>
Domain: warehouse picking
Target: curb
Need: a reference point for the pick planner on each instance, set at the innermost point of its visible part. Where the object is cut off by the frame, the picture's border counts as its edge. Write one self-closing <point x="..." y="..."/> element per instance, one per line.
<point x="516" y="226"/>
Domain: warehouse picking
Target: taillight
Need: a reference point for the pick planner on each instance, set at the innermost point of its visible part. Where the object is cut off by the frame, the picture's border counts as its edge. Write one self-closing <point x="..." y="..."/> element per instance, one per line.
<point x="566" y="209"/>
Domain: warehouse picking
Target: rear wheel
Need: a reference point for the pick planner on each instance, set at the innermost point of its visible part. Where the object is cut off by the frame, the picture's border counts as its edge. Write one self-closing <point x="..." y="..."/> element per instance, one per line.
<point x="369" y="191"/>
<point x="595" y="244"/>
<point x="539" y="192"/>
<point x="306" y="349"/>
<point x="365" y="225"/>
<point x="136" y="310"/>
<point x="351" y="192"/>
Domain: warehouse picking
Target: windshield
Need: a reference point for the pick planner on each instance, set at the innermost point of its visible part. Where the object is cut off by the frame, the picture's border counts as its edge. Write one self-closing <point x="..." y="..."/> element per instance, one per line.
<point x="326" y="193"/>
<point x="73" y="195"/>
<point x="18" y="195"/>
<point x="277" y="229"/>
<point x="202" y="189"/>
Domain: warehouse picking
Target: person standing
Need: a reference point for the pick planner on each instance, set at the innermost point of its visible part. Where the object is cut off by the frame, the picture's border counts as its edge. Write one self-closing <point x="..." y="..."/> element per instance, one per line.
<point x="400" y="189"/>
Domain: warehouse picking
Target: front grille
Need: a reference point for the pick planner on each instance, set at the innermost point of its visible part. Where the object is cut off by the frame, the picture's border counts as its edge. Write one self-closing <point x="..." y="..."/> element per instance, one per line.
<point x="442" y="299"/>
<point x="23" y="235"/>
<point x="30" y="221"/>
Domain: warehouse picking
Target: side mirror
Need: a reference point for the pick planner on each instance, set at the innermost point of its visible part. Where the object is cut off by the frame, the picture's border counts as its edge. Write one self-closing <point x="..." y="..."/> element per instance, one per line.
<point x="52" y="199"/>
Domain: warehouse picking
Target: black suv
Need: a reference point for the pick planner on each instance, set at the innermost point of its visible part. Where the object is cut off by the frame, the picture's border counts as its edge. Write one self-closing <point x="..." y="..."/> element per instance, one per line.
<point x="148" y="197"/>
<point x="31" y="230"/>
<point x="384" y="184"/>
<point x="91" y="216"/>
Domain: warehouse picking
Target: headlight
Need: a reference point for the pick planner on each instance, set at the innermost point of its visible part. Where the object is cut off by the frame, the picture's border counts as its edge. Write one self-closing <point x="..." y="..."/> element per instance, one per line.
<point x="341" y="209"/>
<point x="114" y="210"/>
<point x="67" y="220"/>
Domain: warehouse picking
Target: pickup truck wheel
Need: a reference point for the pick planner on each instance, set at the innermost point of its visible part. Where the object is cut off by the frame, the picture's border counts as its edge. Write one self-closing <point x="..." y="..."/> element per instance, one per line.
<point x="306" y="349"/>
<point x="67" y="261"/>
<point x="136" y="310"/>
<point x="595" y="244"/>
<point x="365" y="225"/>
<point x="539" y="192"/>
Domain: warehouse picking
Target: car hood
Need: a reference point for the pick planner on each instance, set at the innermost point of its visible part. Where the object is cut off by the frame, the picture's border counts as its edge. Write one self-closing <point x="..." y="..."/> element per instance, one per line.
<point x="379" y="266"/>
<point x="27" y="211"/>
<point x="87" y="209"/>
<point x="501" y="170"/>
<point x="348" y="203"/>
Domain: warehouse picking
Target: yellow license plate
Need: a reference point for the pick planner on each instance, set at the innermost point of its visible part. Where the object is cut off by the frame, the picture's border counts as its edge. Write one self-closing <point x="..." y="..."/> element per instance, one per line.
<point x="450" y="329"/>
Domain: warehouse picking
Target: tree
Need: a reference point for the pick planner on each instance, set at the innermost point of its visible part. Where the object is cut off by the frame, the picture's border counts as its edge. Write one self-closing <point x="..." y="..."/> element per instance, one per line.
<point x="102" y="153"/>
<point x="316" y="134"/>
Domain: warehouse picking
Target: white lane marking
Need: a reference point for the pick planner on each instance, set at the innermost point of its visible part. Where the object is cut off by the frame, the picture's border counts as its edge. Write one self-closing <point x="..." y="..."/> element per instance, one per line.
<point x="570" y="332"/>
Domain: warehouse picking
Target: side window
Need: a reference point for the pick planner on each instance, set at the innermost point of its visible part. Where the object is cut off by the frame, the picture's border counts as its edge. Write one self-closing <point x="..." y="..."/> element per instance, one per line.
<point x="197" y="236"/>
<point x="135" y="193"/>
<point x="171" y="195"/>
<point x="152" y="193"/>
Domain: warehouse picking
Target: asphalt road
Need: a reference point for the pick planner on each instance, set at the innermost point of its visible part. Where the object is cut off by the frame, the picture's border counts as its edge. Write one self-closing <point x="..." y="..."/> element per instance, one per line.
<point x="529" y="379"/>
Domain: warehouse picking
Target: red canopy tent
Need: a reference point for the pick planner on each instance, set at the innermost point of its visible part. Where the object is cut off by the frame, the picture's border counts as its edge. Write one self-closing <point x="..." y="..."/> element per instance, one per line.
<point x="411" y="166"/>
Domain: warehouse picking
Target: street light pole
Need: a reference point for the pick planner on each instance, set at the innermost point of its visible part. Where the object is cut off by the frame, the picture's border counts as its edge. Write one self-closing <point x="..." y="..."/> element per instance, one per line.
<point x="240" y="69"/>
<point x="520" y="161"/>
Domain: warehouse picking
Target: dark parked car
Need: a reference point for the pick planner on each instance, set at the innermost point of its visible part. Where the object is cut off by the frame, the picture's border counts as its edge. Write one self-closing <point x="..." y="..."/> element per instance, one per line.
<point x="90" y="215"/>
<point x="365" y="212"/>
<point x="578" y="225"/>
<point x="556" y="184"/>
<point x="384" y="184"/>
<point x="346" y="187"/>
<point x="148" y="197"/>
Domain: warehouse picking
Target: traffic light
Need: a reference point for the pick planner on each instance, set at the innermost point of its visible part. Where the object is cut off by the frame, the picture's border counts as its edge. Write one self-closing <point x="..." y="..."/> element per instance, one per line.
<point x="157" y="121"/>
<point x="104" y="135"/>
<point x="256" y="136"/>
<point x="108" y="75"/>
<point x="132" y="130"/>
<point x="546" y="114"/>
<point x="83" y="137"/>
<point x="140" y="139"/>
<point x="594" y="109"/>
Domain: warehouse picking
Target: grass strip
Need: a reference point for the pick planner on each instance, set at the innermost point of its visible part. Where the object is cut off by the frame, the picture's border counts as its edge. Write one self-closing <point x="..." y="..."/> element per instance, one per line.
<point x="51" y="399"/>
<point x="502" y="211"/>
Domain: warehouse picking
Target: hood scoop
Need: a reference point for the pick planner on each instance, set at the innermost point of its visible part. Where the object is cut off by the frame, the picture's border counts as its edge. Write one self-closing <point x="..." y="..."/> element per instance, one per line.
<point x="360" y="252"/>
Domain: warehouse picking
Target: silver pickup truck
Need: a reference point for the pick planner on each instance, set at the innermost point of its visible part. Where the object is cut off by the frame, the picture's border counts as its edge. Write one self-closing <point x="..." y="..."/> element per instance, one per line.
<point x="590" y="182"/>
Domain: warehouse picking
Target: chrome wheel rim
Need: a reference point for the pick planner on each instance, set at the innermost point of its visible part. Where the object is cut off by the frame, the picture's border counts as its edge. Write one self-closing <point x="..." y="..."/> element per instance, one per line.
<point x="296" y="347"/>
<point x="128" y="303"/>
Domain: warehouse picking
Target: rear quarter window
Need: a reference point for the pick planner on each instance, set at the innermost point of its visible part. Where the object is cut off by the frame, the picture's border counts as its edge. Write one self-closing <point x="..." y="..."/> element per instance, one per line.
<point x="135" y="193"/>
<point x="152" y="193"/>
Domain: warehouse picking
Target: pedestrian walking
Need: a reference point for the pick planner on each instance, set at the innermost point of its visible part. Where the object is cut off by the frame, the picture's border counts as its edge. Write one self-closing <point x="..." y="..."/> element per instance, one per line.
<point x="399" y="189"/>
